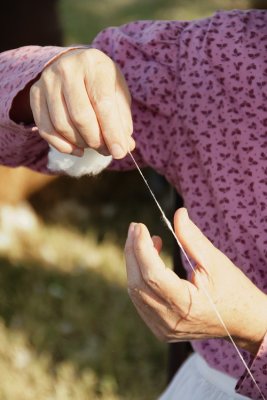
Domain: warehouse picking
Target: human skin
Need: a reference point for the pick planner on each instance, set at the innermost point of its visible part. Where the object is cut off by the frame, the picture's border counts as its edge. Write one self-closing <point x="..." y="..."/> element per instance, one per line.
<point x="81" y="100"/>
<point x="177" y="309"/>
<point x="91" y="110"/>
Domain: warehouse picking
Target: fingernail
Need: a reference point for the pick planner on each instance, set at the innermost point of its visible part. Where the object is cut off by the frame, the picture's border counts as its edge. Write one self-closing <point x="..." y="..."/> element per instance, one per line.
<point x="117" y="151"/>
<point x="77" y="152"/>
<point x="137" y="230"/>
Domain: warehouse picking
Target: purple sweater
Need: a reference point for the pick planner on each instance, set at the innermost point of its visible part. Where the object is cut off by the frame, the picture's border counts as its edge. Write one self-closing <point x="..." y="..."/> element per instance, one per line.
<point x="200" y="119"/>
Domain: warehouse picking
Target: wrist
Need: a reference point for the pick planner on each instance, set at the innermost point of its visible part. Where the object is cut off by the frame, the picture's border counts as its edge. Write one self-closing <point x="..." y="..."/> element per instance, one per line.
<point x="252" y="336"/>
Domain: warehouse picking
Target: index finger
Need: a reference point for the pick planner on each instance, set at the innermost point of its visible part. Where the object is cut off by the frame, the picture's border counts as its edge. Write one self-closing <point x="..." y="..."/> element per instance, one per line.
<point x="102" y="93"/>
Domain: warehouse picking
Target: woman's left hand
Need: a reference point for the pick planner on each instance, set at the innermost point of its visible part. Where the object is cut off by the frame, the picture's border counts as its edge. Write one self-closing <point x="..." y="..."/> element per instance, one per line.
<point x="176" y="309"/>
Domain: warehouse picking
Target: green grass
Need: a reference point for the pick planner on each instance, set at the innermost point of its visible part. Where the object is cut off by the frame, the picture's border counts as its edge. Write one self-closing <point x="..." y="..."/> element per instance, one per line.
<point x="68" y="329"/>
<point x="83" y="19"/>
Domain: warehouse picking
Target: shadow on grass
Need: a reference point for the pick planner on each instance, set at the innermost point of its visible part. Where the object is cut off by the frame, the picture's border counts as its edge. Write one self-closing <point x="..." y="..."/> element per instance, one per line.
<point x="85" y="319"/>
<point x="105" y="205"/>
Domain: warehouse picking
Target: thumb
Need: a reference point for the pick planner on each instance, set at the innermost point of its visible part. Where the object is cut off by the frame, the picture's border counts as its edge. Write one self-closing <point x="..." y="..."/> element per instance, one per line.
<point x="195" y="243"/>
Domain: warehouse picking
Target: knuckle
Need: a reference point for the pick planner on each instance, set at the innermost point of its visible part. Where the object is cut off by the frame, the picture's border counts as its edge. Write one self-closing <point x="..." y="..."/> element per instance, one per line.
<point x="93" y="143"/>
<point x="96" y="54"/>
<point x="86" y="55"/>
<point x="151" y="281"/>
<point x="149" y="278"/>
<point x="59" y="146"/>
<point x="47" y="77"/>
<point x="132" y="288"/>
<point x="35" y="91"/>
<point x="59" y="123"/>
<point x="79" y="118"/>
<point x="133" y="291"/>
<point x="105" y="65"/>
<point x="139" y="248"/>
<point x="62" y="67"/>
<point x="45" y="133"/>
<point x="60" y="128"/>
<point x="102" y="102"/>
<point x="45" y="74"/>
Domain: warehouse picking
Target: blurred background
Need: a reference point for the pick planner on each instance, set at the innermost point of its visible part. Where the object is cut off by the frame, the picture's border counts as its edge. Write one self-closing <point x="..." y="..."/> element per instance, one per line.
<point x="67" y="327"/>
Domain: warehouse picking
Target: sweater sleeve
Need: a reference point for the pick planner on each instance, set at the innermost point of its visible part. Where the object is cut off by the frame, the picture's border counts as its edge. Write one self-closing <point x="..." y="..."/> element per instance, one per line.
<point x="258" y="368"/>
<point x="20" y="145"/>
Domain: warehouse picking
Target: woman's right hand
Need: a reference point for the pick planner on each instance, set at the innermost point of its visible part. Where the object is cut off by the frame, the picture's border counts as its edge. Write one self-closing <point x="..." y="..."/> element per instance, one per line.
<point x="82" y="100"/>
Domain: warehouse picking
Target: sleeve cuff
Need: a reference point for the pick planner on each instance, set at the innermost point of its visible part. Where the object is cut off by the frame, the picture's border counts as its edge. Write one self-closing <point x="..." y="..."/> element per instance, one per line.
<point x="258" y="367"/>
<point x="37" y="60"/>
<point x="20" y="145"/>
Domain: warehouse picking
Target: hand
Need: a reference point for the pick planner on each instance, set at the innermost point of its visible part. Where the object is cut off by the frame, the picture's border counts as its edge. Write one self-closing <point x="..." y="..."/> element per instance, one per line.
<point x="176" y="309"/>
<point x="82" y="100"/>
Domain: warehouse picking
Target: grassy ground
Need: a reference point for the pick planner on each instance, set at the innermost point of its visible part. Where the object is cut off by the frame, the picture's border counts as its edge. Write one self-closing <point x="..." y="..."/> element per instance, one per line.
<point x="82" y="19"/>
<point x="67" y="327"/>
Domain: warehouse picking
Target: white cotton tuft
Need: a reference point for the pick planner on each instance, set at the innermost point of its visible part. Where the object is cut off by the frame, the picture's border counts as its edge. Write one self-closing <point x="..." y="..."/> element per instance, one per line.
<point x="91" y="163"/>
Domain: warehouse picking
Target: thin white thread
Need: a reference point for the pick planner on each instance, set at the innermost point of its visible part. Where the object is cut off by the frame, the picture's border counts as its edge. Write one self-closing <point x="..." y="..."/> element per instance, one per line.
<point x="169" y="225"/>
